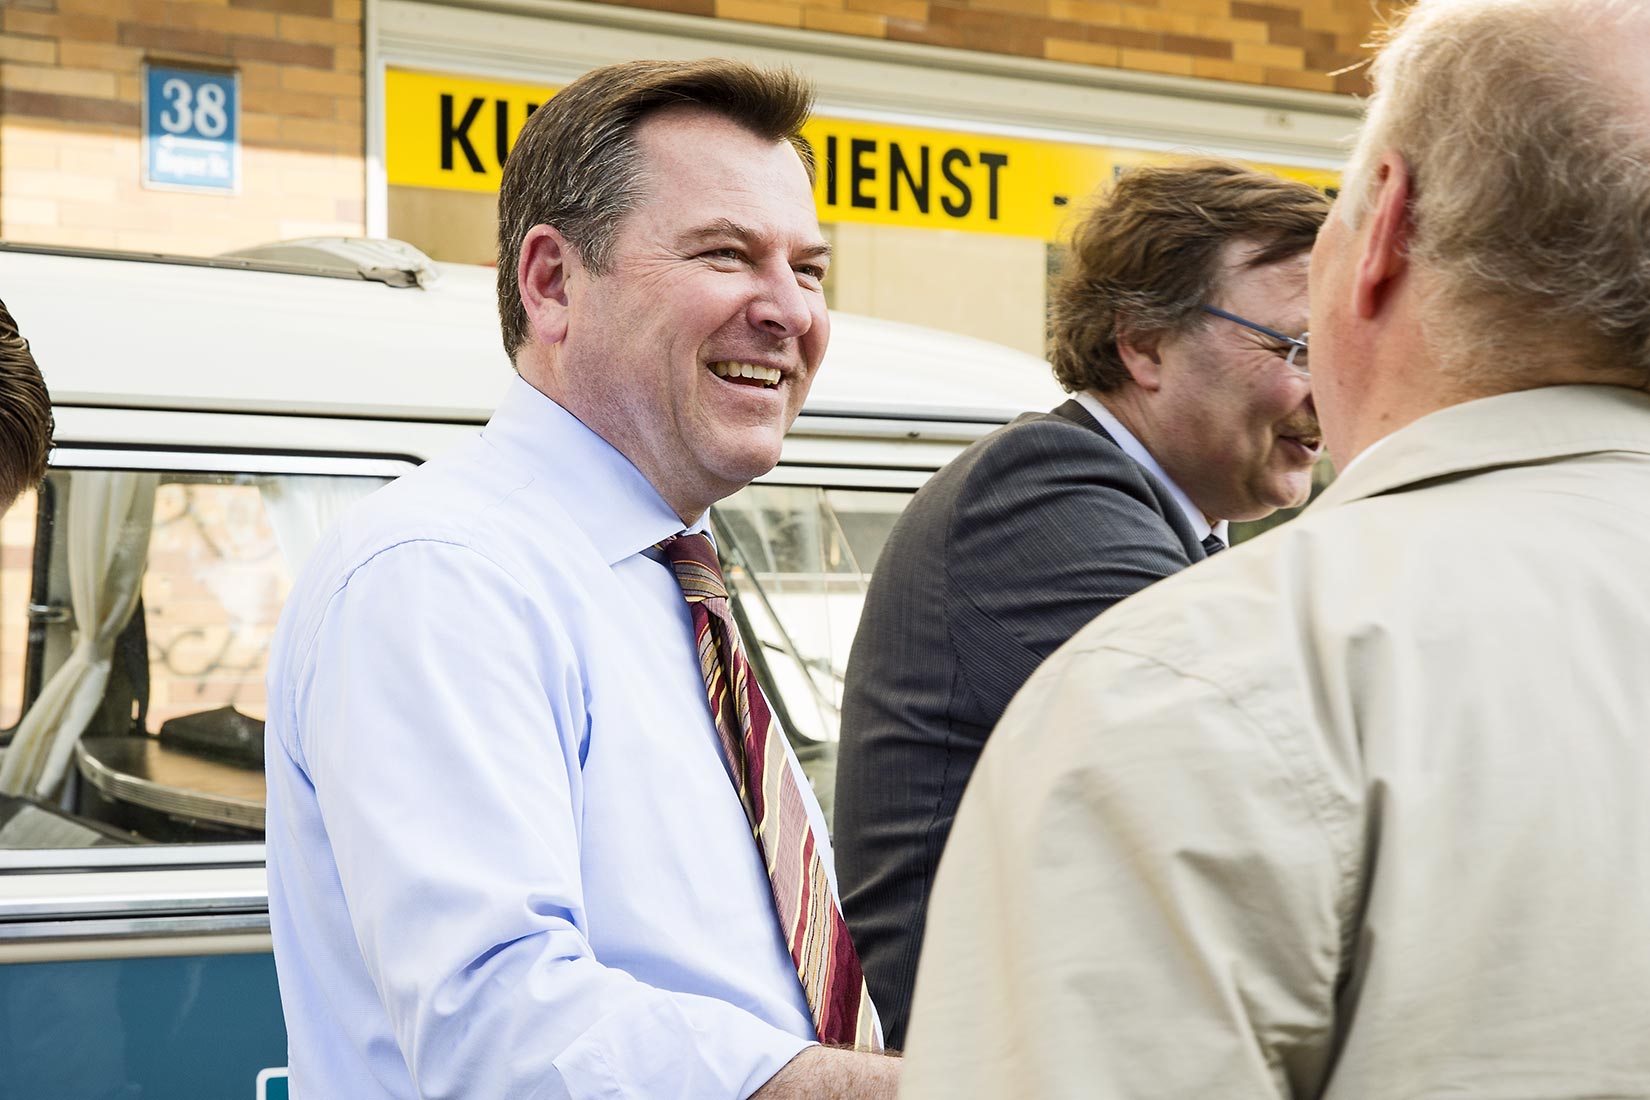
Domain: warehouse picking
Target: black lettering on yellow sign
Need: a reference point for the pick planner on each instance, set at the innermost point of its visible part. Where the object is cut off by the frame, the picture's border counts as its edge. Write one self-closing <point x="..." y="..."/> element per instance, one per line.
<point x="455" y="135"/>
<point x="883" y="175"/>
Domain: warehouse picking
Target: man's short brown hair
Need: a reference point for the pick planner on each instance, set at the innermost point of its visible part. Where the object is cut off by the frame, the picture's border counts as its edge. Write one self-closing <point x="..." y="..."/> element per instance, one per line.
<point x="1148" y="257"/>
<point x="25" y="415"/>
<point x="576" y="165"/>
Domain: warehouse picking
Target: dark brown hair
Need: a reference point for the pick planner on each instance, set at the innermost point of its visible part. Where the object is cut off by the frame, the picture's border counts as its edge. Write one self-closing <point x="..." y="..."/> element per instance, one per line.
<point x="25" y="415"/>
<point x="576" y="165"/>
<point x="1148" y="256"/>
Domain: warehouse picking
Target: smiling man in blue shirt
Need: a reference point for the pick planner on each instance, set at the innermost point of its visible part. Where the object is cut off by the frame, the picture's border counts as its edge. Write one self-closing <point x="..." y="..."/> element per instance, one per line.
<point x="505" y="855"/>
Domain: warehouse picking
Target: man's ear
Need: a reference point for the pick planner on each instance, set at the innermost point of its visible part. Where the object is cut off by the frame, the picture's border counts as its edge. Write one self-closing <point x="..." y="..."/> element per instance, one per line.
<point x="1141" y="357"/>
<point x="542" y="272"/>
<point x="1384" y="259"/>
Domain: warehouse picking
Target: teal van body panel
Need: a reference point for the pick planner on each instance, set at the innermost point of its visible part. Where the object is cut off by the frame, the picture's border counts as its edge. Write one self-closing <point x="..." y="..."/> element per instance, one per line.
<point x="179" y="1028"/>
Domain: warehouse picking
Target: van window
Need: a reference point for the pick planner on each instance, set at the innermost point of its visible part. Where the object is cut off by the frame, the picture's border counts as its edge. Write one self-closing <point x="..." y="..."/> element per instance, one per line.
<point x="138" y="609"/>
<point x="797" y="561"/>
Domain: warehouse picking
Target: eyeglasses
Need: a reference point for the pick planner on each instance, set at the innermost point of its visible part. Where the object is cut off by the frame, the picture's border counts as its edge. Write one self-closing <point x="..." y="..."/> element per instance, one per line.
<point x="1297" y="344"/>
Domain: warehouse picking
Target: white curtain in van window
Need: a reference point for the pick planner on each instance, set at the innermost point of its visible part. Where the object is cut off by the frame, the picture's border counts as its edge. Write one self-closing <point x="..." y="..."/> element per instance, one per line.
<point x="302" y="508"/>
<point x="109" y="517"/>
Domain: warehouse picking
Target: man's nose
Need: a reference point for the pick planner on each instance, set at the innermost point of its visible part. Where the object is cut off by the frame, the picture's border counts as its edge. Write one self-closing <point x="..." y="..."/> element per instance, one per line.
<point x="781" y="307"/>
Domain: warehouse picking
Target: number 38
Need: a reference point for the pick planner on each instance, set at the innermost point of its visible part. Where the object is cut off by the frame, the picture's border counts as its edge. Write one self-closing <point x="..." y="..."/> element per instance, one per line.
<point x="203" y="112"/>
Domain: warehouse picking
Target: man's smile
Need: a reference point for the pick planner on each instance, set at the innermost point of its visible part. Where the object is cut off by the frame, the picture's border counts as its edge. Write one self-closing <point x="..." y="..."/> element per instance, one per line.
<point x="748" y="373"/>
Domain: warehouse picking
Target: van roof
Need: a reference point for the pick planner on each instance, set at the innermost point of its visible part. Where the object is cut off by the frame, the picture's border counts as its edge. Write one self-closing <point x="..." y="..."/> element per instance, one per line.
<point x="265" y="331"/>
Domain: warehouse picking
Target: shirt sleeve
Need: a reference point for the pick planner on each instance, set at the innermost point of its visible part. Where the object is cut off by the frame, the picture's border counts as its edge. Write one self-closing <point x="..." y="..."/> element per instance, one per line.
<point x="1143" y="897"/>
<point x="442" y="719"/>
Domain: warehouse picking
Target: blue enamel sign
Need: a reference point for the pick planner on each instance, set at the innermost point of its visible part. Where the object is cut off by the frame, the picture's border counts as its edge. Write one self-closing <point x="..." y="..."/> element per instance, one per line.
<point x="191" y="129"/>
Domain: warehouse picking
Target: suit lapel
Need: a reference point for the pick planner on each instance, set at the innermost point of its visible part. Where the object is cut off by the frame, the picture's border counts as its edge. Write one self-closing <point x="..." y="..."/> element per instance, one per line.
<point x="1167" y="506"/>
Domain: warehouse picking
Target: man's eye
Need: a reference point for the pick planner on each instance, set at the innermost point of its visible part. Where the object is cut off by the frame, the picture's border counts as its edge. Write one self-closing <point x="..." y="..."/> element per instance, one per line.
<point x="811" y="271"/>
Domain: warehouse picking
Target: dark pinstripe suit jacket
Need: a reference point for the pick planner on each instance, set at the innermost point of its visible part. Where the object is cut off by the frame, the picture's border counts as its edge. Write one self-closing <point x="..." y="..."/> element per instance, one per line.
<point x="1006" y="553"/>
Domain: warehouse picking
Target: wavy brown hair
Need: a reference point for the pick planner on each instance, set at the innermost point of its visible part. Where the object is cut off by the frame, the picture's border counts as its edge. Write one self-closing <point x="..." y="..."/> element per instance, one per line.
<point x="25" y="415"/>
<point x="1148" y="256"/>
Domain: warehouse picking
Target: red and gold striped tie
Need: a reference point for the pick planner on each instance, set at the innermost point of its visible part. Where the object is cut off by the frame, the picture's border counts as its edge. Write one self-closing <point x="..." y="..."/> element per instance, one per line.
<point x="755" y="752"/>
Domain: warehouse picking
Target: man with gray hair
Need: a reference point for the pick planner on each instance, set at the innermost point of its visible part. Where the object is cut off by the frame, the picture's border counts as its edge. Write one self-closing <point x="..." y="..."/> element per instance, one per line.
<point x="1360" y="809"/>
<point x="531" y="830"/>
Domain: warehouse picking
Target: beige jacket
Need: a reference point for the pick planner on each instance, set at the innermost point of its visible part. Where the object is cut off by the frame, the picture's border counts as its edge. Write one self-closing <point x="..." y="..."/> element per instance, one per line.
<point x="1358" y="810"/>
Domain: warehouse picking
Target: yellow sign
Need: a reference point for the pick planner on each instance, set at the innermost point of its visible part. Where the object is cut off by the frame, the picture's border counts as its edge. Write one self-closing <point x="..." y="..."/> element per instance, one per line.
<point x="454" y="133"/>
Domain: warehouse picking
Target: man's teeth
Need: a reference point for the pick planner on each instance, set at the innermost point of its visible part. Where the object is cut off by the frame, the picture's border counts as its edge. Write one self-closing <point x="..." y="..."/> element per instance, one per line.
<point x="768" y="376"/>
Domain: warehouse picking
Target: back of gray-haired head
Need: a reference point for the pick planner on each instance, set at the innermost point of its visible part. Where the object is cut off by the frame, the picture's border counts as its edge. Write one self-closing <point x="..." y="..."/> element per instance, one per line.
<point x="576" y="165"/>
<point x="1525" y="125"/>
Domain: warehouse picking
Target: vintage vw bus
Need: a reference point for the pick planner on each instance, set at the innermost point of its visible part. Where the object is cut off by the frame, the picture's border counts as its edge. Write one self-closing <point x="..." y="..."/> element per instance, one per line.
<point x="212" y="417"/>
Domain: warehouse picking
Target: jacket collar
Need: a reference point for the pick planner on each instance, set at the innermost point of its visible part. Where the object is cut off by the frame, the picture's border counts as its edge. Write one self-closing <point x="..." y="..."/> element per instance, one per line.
<point x="1511" y="429"/>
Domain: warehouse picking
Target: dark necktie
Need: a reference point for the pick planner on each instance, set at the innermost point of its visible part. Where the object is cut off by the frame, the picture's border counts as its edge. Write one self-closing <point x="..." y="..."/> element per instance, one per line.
<point x="754" y="749"/>
<point x="1212" y="544"/>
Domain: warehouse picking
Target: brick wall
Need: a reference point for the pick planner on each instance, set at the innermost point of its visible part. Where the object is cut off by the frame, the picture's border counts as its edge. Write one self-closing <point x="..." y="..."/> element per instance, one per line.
<point x="1284" y="43"/>
<point x="70" y="121"/>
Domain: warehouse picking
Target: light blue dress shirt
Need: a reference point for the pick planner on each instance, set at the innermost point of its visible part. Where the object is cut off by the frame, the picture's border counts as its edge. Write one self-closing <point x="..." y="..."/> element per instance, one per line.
<point x="505" y="856"/>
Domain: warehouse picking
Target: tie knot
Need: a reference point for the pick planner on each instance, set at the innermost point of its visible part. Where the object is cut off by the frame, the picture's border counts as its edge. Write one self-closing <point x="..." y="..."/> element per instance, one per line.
<point x="1212" y="544"/>
<point x="692" y="558"/>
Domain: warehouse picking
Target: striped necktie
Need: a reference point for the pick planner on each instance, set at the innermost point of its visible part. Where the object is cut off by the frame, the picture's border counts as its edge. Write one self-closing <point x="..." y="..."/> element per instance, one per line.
<point x="1212" y="544"/>
<point x="757" y="762"/>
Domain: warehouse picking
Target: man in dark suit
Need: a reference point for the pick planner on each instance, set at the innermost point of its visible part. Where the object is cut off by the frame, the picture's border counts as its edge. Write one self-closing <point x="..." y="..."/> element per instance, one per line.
<point x="1179" y="327"/>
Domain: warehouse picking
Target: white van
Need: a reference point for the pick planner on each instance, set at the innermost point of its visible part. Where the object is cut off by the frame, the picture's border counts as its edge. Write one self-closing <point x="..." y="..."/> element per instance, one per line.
<point x="212" y="417"/>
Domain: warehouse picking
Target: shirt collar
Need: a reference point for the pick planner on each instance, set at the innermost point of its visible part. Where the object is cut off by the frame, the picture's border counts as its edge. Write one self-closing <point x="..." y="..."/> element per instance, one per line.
<point x="1137" y="451"/>
<point x="618" y="509"/>
<point x="1510" y="429"/>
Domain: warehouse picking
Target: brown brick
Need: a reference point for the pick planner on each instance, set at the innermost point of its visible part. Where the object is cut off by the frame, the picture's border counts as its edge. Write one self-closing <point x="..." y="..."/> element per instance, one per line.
<point x="1082" y="53"/>
<point x="1123" y="37"/>
<point x="760" y="11"/>
<point x="262" y="74"/>
<point x="1020" y="7"/>
<point x="349" y="110"/>
<point x="39" y="51"/>
<point x="325" y="32"/>
<point x="174" y="40"/>
<point x="68" y="82"/>
<point x="864" y="24"/>
<point x="1355" y="82"/>
<point x="1196" y="47"/>
<point x="913" y="11"/>
<point x="81" y="28"/>
<point x="1017" y="33"/>
<point x="1273" y="57"/>
<point x="1203" y="8"/>
<point x="1266" y="13"/>
<point x="347" y="59"/>
<point x="321" y="83"/>
<point x="228" y="20"/>
<point x="1234" y="30"/>
<point x="101" y="55"/>
<point x="282" y="53"/>
<point x="1305" y="39"/>
<point x="328" y="136"/>
<point x="289" y="7"/>
<point x="64" y="108"/>
<point x="346" y="11"/>
<point x="1149" y="19"/>
<point x="263" y="129"/>
<point x="1085" y="11"/>
<point x="269" y="101"/>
